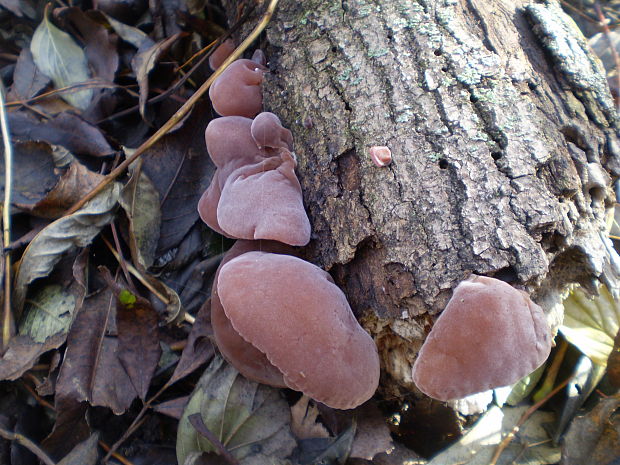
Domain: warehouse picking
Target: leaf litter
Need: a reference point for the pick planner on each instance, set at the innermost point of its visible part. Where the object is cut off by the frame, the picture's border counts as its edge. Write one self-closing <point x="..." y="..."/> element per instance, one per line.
<point x="84" y="86"/>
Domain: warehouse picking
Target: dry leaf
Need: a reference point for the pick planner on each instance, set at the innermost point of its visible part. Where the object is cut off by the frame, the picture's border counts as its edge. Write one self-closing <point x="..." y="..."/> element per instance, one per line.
<point x="304" y="424"/>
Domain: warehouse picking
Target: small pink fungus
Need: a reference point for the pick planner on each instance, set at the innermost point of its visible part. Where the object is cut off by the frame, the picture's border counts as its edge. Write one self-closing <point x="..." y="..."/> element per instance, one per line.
<point x="381" y="155"/>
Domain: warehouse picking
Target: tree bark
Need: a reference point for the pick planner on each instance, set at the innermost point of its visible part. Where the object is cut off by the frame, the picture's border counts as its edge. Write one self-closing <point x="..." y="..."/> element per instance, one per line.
<point x="504" y="141"/>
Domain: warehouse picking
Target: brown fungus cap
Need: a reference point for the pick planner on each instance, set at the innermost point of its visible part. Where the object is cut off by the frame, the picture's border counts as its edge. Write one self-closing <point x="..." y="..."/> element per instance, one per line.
<point x="246" y="358"/>
<point x="220" y="54"/>
<point x="254" y="193"/>
<point x="229" y="141"/>
<point x="264" y="201"/>
<point x="489" y="335"/>
<point x="268" y="132"/>
<point x="237" y="91"/>
<point x="292" y="311"/>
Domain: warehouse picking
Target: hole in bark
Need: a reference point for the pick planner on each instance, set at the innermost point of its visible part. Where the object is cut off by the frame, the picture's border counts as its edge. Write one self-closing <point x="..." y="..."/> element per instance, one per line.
<point x="496" y="155"/>
<point x="444" y="69"/>
<point x="334" y="49"/>
<point x="438" y="52"/>
<point x="507" y="274"/>
<point x="473" y="98"/>
<point x="443" y="163"/>
<point x="597" y="194"/>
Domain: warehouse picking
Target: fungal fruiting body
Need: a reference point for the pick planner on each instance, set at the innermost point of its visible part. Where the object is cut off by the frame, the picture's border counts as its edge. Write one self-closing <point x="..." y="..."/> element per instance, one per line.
<point x="278" y="319"/>
<point x="291" y="311"/>
<point x="489" y="335"/>
<point x="380" y="155"/>
<point x="251" y="362"/>
<point x="237" y="91"/>
<point x="254" y="193"/>
<point x="220" y="54"/>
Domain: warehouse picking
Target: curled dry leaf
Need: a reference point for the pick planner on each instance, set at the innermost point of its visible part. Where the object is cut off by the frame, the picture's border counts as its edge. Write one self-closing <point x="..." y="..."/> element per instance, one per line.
<point x="48" y="312"/>
<point x="28" y="80"/>
<point x="67" y="233"/>
<point x="140" y="200"/>
<point x="304" y="424"/>
<point x="143" y="63"/>
<point x="58" y="56"/>
<point x="76" y="182"/>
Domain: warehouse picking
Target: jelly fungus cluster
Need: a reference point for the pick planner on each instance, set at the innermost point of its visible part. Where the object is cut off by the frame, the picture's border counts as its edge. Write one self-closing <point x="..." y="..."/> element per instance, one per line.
<point x="278" y="319"/>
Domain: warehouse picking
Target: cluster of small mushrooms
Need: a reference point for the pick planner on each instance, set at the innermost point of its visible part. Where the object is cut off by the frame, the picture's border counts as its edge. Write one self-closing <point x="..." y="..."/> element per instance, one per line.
<point x="277" y="318"/>
<point x="282" y="321"/>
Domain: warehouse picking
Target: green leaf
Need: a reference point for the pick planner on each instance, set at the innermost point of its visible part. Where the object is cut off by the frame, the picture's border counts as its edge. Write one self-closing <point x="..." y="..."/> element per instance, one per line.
<point x="241" y="413"/>
<point x="591" y="324"/>
<point x="49" y="312"/>
<point x="58" y="57"/>
<point x="61" y="236"/>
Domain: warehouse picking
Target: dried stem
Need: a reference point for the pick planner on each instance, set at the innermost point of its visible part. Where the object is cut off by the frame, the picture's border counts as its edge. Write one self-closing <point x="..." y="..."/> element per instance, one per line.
<point x="6" y="220"/>
<point x="28" y="444"/>
<point x="180" y="114"/>
<point x="510" y="436"/>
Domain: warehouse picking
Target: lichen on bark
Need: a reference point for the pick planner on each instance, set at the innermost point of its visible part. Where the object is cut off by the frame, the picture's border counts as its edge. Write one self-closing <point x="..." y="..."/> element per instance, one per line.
<point x="494" y="171"/>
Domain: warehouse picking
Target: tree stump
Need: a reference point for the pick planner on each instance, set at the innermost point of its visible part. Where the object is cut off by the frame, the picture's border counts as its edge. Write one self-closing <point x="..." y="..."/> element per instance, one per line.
<point x="504" y="143"/>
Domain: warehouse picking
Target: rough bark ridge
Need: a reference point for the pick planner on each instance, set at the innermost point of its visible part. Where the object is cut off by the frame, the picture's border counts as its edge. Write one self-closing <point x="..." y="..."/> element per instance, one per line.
<point x="504" y="145"/>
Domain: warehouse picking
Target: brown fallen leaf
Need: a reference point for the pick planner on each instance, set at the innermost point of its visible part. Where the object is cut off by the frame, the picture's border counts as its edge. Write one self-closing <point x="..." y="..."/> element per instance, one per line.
<point x="139" y="351"/>
<point x="40" y="329"/>
<point x="595" y="436"/>
<point x="72" y="186"/>
<point x="70" y="429"/>
<point x="91" y="370"/>
<point x="199" y="348"/>
<point x="180" y="169"/>
<point x="373" y="435"/>
<point x="172" y="408"/>
<point x="34" y="172"/>
<point x="65" y="129"/>
<point x="28" y="81"/>
<point x="304" y="424"/>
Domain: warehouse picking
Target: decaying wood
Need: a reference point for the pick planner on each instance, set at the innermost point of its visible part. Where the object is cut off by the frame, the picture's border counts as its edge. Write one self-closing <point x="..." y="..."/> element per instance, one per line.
<point x="504" y="146"/>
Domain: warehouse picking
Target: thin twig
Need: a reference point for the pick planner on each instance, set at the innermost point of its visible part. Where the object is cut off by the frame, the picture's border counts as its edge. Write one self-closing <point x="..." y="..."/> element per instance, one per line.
<point x="124" y="460"/>
<point x="162" y="298"/>
<point x="121" y="260"/>
<point x="181" y="112"/>
<point x="28" y="444"/>
<point x="510" y="436"/>
<point x="198" y="423"/>
<point x="6" y="219"/>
